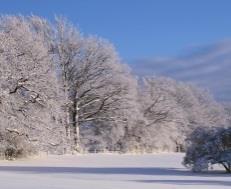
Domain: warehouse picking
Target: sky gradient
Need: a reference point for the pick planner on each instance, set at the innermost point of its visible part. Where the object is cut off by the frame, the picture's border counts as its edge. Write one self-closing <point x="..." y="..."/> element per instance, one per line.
<point x="139" y="28"/>
<point x="188" y="40"/>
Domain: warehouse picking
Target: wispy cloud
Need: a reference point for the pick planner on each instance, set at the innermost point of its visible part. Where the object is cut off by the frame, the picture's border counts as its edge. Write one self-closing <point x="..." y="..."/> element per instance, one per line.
<point x="208" y="66"/>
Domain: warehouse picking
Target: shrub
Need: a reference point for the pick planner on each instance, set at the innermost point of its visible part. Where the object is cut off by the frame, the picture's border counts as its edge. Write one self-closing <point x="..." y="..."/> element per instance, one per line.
<point x="13" y="145"/>
<point x="206" y="147"/>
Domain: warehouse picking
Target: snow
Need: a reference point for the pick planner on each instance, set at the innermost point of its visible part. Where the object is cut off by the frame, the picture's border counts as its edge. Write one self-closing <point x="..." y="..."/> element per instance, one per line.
<point x="107" y="171"/>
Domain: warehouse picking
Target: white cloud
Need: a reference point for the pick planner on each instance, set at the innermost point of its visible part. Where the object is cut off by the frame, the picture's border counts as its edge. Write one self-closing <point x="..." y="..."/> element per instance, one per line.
<point x="208" y="66"/>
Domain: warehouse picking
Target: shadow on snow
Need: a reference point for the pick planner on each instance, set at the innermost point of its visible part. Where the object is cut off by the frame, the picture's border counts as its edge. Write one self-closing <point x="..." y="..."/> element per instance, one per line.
<point x="188" y="182"/>
<point x="110" y="170"/>
<point x="153" y="171"/>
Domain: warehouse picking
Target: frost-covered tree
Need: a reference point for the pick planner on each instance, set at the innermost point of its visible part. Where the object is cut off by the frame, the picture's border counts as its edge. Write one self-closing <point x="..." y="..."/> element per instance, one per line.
<point x="28" y="93"/>
<point x="227" y="107"/>
<point x="63" y="77"/>
<point x="94" y="83"/>
<point x="171" y="110"/>
<point x="119" y="134"/>
<point x="207" y="147"/>
<point x="164" y="117"/>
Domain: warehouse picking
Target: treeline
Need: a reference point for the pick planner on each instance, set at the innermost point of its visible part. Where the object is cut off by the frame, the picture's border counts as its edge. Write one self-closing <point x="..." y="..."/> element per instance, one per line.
<point x="61" y="91"/>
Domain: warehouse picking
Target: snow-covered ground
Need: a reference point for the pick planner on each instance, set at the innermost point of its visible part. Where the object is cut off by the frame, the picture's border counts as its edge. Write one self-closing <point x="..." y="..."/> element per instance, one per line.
<point x="106" y="171"/>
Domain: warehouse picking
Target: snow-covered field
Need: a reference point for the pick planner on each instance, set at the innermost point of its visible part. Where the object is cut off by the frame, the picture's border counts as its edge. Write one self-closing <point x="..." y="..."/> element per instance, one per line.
<point x="106" y="171"/>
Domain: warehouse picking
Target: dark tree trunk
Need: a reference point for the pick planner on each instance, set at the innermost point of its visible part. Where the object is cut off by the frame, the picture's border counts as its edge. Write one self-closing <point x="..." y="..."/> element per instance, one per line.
<point x="227" y="167"/>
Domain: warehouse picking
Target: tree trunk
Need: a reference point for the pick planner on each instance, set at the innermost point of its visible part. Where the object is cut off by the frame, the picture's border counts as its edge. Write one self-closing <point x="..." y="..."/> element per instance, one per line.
<point x="227" y="167"/>
<point x="74" y="125"/>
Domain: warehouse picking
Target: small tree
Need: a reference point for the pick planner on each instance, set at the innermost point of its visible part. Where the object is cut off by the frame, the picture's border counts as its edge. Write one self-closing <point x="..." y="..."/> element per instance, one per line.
<point x="207" y="147"/>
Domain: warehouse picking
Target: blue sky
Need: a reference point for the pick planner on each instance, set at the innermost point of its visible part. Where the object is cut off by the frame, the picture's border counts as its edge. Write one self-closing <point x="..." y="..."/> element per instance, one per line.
<point x="139" y="28"/>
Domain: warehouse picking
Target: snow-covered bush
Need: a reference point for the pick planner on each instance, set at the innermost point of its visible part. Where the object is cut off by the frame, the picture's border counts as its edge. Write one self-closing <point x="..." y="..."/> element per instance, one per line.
<point x="14" y="145"/>
<point x="206" y="147"/>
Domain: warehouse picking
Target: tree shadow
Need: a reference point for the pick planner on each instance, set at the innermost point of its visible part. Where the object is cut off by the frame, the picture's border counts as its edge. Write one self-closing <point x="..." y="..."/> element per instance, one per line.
<point x="108" y="170"/>
<point x="188" y="182"/>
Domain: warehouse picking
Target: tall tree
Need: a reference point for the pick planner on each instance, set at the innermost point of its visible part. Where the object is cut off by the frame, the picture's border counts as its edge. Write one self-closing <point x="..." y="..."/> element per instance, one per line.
<point x="27" y="83"/>
<point x="93" y="80"/>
